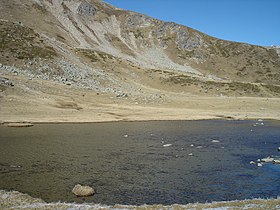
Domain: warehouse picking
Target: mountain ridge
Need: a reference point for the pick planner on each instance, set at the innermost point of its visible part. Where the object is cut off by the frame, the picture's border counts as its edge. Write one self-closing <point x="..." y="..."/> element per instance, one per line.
<point x="90" y="45"/>
<point x="194" y="50"/>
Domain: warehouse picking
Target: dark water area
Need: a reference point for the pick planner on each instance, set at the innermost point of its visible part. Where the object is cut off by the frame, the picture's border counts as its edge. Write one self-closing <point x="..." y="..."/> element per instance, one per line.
<point x="126" y="162"/>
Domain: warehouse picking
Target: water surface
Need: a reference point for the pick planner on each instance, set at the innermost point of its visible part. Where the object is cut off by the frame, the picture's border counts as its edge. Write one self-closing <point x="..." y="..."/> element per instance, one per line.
<point x="127" y="163"/>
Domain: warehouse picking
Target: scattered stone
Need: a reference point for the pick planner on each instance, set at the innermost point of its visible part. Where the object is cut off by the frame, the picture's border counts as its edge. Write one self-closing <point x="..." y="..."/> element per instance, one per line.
<point x="199" y="147"/>
<point x="192" y="145"/>
<point x="191" y="154"/>
<point x="6" y="82"/>
<point x="167" y="145"/>
<point x="15" y="166"/>
<point x="215" y="141"/>
<point x="125" y="136"/>
<point x="123" y="95"/>
<point x="260" y="120"/>
<point x="252" y="162"/>
<point x="83" y="191"/>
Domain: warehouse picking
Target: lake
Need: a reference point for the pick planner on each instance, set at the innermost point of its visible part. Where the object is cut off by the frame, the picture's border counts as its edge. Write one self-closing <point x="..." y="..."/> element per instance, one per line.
<point x="134" y="163"/>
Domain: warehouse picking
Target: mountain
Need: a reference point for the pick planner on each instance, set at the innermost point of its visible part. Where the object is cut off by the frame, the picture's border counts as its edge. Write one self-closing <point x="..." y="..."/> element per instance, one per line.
<point x="82" y="45"/>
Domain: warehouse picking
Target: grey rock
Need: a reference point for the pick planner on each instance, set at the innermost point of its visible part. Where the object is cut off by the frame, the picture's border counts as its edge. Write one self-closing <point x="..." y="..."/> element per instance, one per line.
<point x="185" y="41"/>
<point x="166" y="27"/>
<point x="6" y="82"/>
<point x="138" y="20"/>
<point x="86" y="9"/>
<point x="124" y="95"/>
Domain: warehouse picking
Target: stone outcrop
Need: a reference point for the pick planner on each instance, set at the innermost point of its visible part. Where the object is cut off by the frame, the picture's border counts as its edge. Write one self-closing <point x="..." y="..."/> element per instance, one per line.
<point x="86" y="9"/>
<point x="88" y="42"/>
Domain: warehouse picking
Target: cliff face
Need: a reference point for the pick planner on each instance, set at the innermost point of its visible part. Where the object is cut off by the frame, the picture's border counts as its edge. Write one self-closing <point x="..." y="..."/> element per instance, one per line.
<point x="91" y="44"/>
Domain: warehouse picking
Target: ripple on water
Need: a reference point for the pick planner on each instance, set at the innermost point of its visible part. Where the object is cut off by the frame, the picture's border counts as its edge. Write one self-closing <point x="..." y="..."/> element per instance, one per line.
<point x="137" y="169"/>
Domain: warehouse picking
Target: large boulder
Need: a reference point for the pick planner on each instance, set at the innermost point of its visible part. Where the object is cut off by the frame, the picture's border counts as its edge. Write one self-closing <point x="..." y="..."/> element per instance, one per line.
<point x="83" y="191"/>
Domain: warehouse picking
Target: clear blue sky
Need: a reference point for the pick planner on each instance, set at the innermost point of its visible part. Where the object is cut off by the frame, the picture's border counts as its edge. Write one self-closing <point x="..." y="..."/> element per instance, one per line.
<point x="250" y="21"/>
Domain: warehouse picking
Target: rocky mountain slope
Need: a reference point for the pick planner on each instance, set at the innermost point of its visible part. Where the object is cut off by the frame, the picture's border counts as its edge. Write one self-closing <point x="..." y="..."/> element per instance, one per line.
<point x="91" y="45"/>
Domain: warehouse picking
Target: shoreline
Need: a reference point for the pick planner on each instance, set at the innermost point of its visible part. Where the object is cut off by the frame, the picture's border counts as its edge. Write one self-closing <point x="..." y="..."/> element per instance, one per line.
<point x="93" y="109"/>
<point x="15" y="199"/>
<point x="127" y="116"/>
<point x="31" y="123"/>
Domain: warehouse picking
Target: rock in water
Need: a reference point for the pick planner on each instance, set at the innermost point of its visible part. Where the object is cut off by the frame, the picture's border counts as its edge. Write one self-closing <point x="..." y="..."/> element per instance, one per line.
<point x="276" y="161"/>
<point x="259" y="165"/>
<point x="83" y="191"/>
<point x="278" y="149"/>
<point x="215" y="141"/>
<point x="267" y="160"/>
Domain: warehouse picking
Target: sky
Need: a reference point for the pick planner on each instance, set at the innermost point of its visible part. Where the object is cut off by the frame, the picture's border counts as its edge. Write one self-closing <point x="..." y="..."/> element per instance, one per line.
<point x="251" y="21"/>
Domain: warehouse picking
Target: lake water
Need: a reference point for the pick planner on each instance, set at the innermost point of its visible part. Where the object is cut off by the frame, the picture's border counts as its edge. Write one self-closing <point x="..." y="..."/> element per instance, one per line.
<point x="127" y="163"/>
